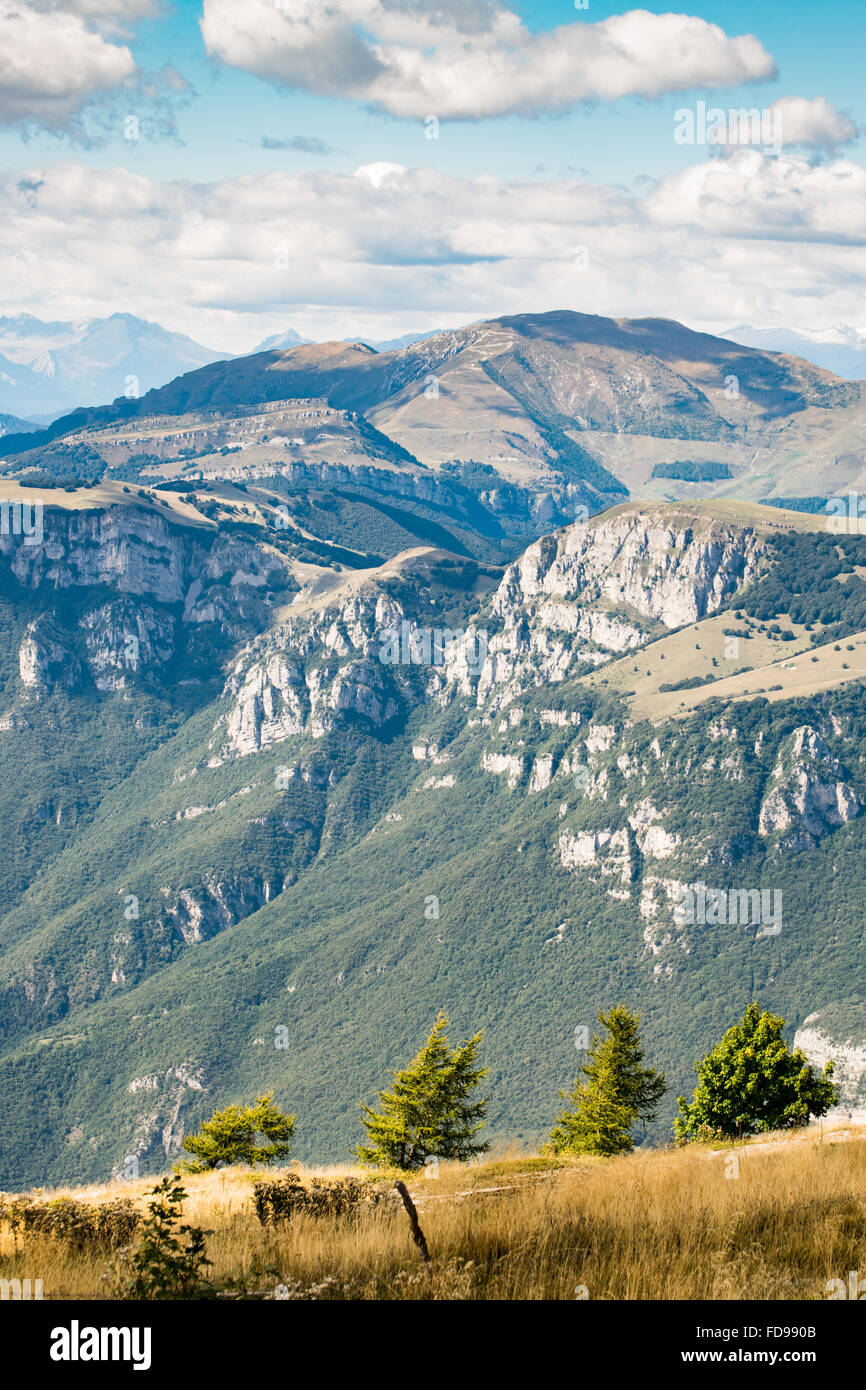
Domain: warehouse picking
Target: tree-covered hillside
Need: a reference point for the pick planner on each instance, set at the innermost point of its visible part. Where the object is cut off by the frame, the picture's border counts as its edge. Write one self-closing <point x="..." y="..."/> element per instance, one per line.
<point x="277" y="835"/>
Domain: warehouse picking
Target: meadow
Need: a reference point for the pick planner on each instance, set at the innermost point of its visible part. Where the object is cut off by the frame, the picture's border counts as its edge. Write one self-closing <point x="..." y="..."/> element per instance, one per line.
<point x="772" y="1219"/>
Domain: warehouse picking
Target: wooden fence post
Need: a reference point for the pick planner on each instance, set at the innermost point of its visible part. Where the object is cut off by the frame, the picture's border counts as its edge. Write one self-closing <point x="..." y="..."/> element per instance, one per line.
<point x="417" y="1233"/>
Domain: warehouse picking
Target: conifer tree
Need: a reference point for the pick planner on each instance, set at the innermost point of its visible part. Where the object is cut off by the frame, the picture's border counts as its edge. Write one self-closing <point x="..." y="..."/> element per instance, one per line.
<point x="751" y="1083"/>
<point x="231" y="1136"/>
<point x="428" y="1111"/>
<point x="612" y="1092"/>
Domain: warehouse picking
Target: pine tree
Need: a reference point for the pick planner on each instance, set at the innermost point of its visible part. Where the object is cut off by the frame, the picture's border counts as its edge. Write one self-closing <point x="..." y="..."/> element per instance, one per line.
<point x="428" y="1112"/>
<point x="231" y="1136"/>
<point x="616" y="1091"/>
<point x="751" y="1083"/>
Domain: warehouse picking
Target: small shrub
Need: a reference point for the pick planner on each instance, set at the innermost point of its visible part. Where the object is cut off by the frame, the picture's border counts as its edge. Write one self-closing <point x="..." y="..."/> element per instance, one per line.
<point x="281" y="1198"/>
<point x="707" y="1134"/>
<point x="296" y="1290"/>
<point x="76" y="1224"/>
<point x="170" y="1260"/>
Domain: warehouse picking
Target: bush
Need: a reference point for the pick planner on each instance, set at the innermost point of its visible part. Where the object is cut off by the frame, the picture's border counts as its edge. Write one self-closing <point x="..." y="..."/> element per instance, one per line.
<point x="170" y="1259"/>
<point x="76" y="1224"/>
<point x="281" y="1198"/>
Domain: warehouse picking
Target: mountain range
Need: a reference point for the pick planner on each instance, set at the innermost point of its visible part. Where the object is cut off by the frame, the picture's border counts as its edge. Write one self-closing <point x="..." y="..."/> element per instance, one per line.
<point x="545" y="413"/>
<point x="339" y="687"/>
<point x="289" y="338"/>
<point x="841" y="349"/>
<point x="48" y="368"/>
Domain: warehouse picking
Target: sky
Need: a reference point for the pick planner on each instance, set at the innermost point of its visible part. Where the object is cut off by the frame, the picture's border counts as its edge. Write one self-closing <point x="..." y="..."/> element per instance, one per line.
<point x="368" y="168"/>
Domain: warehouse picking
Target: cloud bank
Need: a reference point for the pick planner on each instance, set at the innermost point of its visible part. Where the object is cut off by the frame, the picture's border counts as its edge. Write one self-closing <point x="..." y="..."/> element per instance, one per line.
<point x="387" y="249"/>
<point x="52" y="64"/>
<point x="471" y="59"/>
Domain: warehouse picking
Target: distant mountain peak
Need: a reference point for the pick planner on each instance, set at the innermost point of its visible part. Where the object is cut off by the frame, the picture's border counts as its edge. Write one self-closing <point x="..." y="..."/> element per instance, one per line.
<point x="277" y="342"/>
<point x="54" y="367"/>
<point x="840" y="349"/>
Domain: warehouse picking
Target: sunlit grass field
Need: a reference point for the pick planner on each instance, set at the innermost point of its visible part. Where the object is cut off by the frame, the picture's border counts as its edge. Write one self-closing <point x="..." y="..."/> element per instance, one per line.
<point x="775" y="1219"/>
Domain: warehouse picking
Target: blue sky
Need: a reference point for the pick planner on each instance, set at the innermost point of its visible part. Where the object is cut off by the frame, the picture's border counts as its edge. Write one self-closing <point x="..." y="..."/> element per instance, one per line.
<point x="634" y="190"/>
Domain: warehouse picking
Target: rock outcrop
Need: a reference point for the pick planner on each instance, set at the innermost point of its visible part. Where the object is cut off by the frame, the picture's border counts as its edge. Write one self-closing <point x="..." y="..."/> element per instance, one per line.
<point x="45" y="658"/>
<point x="597" y="589"/>
<point x="315" y="674"/>
<point x="816" y="1038"/>
<point x="808" y="795"/>
<point x="158" y="1102"/>
<point x="219" y="901"/>
<point x="610" y="851"/>
<point x="123" y="638"/>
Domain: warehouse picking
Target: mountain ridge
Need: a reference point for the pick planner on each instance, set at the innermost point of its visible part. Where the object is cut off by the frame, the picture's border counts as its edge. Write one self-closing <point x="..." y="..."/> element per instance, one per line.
<point x="560" y="394"/>
<point x="841" y="349"/>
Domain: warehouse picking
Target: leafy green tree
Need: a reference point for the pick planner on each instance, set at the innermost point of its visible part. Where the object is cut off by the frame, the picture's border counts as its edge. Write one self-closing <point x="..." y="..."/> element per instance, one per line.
<point x="612" y="1092"/>
<point x="169" y="1260"/>
<point x="231" y="1136"/>
<point x="428" y="1111"/>
<point x="751" y="1083"/>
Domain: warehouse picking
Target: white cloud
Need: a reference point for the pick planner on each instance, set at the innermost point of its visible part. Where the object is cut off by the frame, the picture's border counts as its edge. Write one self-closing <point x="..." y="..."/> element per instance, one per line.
<point x="52" y="64"/>
<point x="472" y="60"/>
<point x="747" y="195"/>
<point x="390" y="249"/>
<point x="813" y="122"/>
<point x="60" y="73"/>
<point x="380" y="173"/>
<point x="104" y="13"/>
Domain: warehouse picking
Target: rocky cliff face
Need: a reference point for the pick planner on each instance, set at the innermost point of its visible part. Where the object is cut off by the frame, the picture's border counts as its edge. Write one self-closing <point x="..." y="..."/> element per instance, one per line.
<point x="134" y="550"/>
<point x="669" y="571"/>
<point x="504" y="509"/>
<point x="816" y="1036"/>
<point x="159" y="1100"/>
<point x="218" y="902"/>
<point x="808" y="796"/>
<point x="597" y="589"/>
<point x="123" y="638"/>
<point x="155" y="574"/>
<point x="45" y="658"/>
<point x="312" y="674"/>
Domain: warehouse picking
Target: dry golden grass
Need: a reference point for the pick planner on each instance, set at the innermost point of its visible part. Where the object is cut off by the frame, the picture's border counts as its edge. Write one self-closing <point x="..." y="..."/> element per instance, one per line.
<point x="658" y="1225"/>
<point x="765" y="665"/>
